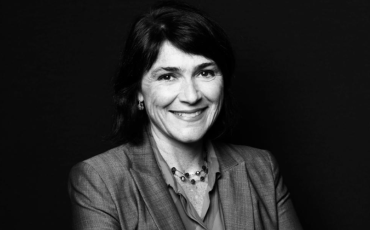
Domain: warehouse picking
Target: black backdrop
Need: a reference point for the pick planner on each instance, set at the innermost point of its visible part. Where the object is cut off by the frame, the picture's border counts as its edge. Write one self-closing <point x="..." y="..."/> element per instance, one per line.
<point x="302" y="87"/>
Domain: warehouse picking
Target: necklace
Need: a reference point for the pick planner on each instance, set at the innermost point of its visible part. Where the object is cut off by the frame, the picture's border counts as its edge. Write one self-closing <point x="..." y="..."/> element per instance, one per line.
<point x="186" y="176"/>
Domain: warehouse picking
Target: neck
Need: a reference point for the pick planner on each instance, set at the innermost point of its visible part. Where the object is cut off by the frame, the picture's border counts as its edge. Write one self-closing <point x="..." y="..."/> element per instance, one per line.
<point x="183" y="156"/>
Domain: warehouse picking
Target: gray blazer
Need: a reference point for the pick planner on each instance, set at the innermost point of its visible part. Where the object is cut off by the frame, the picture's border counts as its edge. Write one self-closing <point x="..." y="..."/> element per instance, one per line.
<point x="123" y="189"/>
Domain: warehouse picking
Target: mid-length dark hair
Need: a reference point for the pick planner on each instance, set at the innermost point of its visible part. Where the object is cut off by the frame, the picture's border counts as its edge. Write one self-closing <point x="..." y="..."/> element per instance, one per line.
<point x="188" y="29"/>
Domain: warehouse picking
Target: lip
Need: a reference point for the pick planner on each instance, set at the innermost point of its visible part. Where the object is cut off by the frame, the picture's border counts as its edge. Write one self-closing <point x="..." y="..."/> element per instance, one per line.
<point x="188" y="111"/>
<point x="189" y="115"/>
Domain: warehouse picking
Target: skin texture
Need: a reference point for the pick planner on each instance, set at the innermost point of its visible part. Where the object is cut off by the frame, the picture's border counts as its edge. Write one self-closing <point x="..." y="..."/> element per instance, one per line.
<point x="181" y="82"/>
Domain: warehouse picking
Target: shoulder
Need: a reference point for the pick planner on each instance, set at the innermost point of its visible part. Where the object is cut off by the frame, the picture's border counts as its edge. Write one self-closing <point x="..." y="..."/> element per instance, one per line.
<point x="247" y="154"/>
<point x="105" y="165"/>
<point x="107" y="174"/>
<point x="116" y="157"/>
<point x="102" y="190"/>
<point x="259" y="163"/>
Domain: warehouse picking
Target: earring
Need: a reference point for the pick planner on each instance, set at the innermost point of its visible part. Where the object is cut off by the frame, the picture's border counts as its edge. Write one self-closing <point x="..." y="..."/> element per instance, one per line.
<point x="141" y="105"/>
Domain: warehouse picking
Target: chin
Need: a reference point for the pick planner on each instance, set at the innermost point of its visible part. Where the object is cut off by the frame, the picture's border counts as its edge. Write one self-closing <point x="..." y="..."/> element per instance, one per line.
<point x="189" y="137"/>
<point x="189" y="140"/>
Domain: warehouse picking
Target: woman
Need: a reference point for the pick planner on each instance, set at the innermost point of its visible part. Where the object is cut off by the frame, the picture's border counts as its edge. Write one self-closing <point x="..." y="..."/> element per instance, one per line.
<point x="173" y="101"/>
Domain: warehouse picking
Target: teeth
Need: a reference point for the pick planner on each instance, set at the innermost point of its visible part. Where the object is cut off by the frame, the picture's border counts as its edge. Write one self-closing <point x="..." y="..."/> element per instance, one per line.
<point x="189" y="115"/>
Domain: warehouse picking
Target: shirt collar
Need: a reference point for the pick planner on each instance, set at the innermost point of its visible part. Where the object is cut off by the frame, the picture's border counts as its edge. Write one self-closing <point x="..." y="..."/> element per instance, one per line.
<point x="212" y="163"/>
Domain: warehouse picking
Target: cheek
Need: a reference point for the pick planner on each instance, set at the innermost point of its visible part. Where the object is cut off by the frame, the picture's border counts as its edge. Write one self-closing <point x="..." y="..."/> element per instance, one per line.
<point x="217" y="94"/>
<point x="157" y="97"/>
<point x="213" y="92"/>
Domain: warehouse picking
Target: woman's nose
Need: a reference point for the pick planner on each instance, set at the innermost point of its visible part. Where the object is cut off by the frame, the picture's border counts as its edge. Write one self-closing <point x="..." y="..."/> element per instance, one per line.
<point x="189" y="93"/>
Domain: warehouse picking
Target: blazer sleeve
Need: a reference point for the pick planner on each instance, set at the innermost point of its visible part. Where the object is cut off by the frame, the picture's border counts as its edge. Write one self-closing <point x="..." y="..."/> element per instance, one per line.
<point x="287" y="218"/>
<point x="92" y="203"/>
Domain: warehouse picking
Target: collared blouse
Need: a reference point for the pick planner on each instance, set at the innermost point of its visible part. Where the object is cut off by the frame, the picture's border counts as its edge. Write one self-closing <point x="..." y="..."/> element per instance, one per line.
<point x="211" y="215"/>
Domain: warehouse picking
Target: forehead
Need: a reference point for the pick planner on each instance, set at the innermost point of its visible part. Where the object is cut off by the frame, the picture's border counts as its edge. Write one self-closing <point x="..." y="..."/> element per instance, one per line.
<point x="171" y="56"/>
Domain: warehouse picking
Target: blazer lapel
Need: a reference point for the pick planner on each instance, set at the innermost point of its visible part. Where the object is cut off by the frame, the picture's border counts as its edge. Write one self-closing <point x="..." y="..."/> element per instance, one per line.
<point x="235" y="192"/>
<point x="153" y="188"/>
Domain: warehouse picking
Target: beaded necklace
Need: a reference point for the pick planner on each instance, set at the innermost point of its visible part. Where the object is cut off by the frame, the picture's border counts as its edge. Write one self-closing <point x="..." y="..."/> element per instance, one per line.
<point x="186" y="176"/>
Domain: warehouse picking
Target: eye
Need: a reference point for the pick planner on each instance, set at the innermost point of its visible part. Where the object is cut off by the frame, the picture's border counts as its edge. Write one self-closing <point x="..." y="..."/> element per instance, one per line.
<point x="166" y="77"/>
<point x="207" y="73"/>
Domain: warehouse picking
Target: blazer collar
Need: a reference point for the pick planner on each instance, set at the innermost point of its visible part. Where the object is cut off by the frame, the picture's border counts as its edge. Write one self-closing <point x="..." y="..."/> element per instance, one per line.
<point x="233" y="186"/>
<point x="149" y="180"/>
<point x="234" y="190"/>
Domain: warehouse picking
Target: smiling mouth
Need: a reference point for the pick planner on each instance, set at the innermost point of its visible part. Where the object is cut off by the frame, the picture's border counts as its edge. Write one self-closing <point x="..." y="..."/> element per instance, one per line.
<point x="188" y="114"/>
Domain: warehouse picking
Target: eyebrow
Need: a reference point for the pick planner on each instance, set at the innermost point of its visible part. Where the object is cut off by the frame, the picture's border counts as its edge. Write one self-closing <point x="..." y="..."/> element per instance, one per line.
<point x="204" y="65"/>
<point x="176" y="69"/>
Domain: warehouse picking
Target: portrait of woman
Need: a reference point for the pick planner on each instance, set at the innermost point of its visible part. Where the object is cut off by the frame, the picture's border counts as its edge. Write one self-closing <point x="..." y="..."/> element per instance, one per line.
<point x="171" y="170"/>
<point x="185" y="114"/>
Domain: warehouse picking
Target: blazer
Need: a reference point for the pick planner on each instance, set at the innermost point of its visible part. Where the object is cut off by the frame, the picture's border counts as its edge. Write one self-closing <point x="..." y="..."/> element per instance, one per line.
<point x="123" y="188"/>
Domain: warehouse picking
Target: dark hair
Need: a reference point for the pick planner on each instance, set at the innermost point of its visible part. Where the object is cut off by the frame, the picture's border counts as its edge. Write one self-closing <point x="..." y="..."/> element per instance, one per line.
<point x="186" y="28"/>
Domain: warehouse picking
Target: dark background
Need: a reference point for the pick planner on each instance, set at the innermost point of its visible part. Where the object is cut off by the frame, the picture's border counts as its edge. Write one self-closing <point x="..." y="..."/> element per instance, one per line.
<point x="302" y="86"/>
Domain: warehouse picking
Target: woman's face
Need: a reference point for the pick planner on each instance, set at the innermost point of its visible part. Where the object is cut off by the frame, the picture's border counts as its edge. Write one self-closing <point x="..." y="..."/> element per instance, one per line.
<point x="182" y="94"/>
